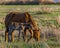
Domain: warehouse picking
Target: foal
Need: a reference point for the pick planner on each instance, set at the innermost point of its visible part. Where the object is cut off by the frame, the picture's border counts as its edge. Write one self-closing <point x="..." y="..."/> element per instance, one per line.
<point x="33" y="33"/>
<point x="15" y="26"/>
<point x="22" y="28"/>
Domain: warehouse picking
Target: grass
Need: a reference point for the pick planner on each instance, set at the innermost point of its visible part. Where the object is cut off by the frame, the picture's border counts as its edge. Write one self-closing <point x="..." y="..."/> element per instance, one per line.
<point x="4" y="9"/>
<point x="53" y="44"/>
<point x="1" y="26"/>
<point x="43" y="19"/>
<point x="22" y="44"/>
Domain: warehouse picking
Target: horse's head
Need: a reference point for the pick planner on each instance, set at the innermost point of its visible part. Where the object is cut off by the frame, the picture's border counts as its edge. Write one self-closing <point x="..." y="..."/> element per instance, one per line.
<point x="37" y="34"/>
<point x="36" y="30"/>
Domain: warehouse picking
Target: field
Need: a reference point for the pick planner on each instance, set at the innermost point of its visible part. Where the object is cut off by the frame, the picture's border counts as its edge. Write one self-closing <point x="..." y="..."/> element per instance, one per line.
<point x="47" y="17"/>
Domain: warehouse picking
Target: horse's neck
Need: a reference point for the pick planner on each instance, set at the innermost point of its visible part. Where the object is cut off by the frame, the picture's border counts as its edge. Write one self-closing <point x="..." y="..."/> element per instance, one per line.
<point x="35" y="26"/>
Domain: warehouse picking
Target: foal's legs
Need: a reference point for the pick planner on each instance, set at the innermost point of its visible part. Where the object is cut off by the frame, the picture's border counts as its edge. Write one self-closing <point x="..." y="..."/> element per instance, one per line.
<point x="25" y="35"/>
<point x="19" y="34"/>
<point x="11" y="35"/>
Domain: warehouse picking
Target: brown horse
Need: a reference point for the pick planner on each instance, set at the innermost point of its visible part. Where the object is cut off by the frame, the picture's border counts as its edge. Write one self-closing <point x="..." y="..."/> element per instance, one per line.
<point x="20" y="18"/>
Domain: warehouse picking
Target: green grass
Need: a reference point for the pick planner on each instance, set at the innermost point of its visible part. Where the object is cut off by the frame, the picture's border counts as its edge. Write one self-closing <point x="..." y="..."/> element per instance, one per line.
<point x="53" y="44"/>
<point x="1" y="26"/>
<point x="22" y="44"/>
<point x="4" y="9"/>
<point x="43" y="19"/>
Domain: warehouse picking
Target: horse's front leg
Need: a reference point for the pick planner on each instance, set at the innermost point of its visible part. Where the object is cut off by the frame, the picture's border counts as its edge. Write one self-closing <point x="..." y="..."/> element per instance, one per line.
<point x="31" y="32"/>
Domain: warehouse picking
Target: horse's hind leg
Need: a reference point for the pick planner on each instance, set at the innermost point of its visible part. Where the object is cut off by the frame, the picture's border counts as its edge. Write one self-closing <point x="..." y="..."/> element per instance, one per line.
<point x="6" y="35"/>
<point x="12" y="36"/>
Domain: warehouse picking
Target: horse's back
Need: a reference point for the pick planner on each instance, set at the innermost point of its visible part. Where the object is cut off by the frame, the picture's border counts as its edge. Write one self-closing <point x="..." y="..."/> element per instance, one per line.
<point x="15" y="17"/>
